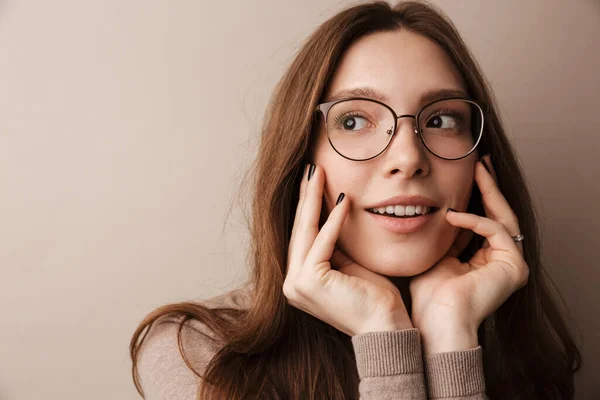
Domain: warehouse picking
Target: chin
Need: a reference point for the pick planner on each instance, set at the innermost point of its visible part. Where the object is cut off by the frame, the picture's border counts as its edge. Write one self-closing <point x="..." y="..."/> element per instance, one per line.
<point x="395" y="263"/>
<point x="400" y="270"/>
<point x="397" y="266"/>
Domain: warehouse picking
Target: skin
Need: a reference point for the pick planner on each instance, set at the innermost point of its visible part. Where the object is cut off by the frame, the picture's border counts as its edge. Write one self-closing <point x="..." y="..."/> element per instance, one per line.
<point x="347" y="286"/>
<point x="406" y="167"/>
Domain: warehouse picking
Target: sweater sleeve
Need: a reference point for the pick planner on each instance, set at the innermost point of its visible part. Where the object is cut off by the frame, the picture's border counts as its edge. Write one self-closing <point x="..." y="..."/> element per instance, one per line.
<point x="390" y="365"/>
<point x="456" y="375"/>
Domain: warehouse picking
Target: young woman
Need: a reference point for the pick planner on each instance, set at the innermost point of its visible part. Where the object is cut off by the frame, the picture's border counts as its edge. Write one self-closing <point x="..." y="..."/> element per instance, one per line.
<point x="394" y="247"/>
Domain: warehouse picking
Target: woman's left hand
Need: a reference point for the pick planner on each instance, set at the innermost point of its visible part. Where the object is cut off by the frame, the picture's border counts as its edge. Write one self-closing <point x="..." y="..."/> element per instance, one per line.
<point x="450" y="300"/>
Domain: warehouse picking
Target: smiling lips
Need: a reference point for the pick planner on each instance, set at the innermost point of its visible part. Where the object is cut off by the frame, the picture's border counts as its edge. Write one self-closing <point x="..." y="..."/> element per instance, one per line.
<point x="403" y="224"/>
<point x="404" y="206"/>
<point x="402" y="211"/>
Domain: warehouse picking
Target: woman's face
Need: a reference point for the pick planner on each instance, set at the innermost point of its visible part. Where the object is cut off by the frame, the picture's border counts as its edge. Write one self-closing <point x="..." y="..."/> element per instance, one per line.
<point x="401" y="66"/>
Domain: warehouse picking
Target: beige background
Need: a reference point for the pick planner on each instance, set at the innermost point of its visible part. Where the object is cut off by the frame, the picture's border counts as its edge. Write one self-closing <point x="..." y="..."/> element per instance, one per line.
<point x="125" y="127"/>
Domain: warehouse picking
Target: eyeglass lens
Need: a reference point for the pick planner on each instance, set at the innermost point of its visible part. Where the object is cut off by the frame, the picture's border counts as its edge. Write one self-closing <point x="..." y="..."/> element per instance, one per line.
<point x="361" y="129"/>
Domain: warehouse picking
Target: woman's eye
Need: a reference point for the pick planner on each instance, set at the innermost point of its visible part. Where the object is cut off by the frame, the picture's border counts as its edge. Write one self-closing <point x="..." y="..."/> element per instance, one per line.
<point x="442" y="122"/>
<point x="354" y="122"/>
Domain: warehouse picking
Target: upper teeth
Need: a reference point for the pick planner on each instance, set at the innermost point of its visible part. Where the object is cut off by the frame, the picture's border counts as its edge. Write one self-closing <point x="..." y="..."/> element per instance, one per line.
<point x="402" y="210"/>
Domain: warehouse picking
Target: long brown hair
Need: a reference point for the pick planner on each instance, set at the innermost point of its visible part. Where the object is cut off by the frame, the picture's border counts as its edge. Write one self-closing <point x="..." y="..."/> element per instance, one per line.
<point x="528" y="351"/>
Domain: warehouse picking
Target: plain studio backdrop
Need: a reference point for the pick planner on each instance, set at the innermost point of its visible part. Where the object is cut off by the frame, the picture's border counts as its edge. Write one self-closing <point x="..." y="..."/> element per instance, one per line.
<point x="125" y="130"/>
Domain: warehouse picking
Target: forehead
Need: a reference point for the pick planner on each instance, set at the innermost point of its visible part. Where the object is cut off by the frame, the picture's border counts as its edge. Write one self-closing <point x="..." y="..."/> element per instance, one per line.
<point x="401" y="65"/>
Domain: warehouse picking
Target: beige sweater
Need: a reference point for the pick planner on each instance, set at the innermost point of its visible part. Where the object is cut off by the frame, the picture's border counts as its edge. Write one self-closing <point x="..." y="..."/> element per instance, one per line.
<point x="390" y="364"/>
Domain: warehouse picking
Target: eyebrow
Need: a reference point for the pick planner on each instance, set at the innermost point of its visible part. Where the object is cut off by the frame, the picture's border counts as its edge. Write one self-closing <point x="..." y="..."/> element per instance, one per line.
<point x="370" y="93"/>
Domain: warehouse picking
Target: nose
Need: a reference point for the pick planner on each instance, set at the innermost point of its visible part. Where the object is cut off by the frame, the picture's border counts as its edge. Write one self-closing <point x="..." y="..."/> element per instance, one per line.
<point x="406" y="155"/>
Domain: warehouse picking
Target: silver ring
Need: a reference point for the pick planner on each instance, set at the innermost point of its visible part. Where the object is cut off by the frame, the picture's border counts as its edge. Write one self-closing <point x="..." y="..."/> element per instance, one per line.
<point x="518" y="238"/>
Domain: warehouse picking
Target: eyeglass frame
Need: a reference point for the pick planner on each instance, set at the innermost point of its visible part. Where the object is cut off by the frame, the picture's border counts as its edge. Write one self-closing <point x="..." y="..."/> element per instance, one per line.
<point x="324" y="108"/>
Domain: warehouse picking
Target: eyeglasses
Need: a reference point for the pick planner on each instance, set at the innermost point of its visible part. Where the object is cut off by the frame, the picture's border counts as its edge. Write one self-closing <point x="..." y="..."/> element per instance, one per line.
<point x="360" y="129"/>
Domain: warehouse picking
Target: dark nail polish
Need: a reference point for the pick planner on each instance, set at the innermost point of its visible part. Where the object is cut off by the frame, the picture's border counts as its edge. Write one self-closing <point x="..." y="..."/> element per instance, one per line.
<point x="485" y="165"/>
<point x="451" y="209"/>
<point x="311" y="171"/>
<point x="340" y="198"/>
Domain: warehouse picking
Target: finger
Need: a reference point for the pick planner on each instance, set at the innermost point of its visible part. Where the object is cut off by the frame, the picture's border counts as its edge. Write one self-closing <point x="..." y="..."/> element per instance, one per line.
<point x="304" y="183"/>
<point x="503" y="248"/>
<point x="486" y="244"/>
<point x="302" y="195"/>
<point x="493" y="231"/>
<point x="290" y="270"/>
<point x="321" y="251"/>
<point x="495" y="204"/>
<point x="308" y="219"/>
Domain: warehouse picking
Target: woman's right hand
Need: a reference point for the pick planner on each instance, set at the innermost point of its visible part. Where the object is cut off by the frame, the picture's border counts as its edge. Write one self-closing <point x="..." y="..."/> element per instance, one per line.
<point x="352" y="298"/>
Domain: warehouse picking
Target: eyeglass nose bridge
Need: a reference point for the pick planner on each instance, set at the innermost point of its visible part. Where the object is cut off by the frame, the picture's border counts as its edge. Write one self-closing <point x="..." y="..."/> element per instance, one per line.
<point x="415" y="130"/>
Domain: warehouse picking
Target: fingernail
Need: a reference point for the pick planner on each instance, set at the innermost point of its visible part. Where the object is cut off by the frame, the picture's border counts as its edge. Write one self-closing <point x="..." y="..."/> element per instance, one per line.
<point x="311" y="171"/>
<point x="451" y="209"/>
<point x="340" y="198"/>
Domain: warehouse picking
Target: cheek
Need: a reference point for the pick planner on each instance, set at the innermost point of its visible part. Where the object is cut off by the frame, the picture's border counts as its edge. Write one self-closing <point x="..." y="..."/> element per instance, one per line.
<point x="456" y="182"/>
<point x="460" y="195"/>
<point x="464" y="190"/>
<point x="341" y="175"/>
